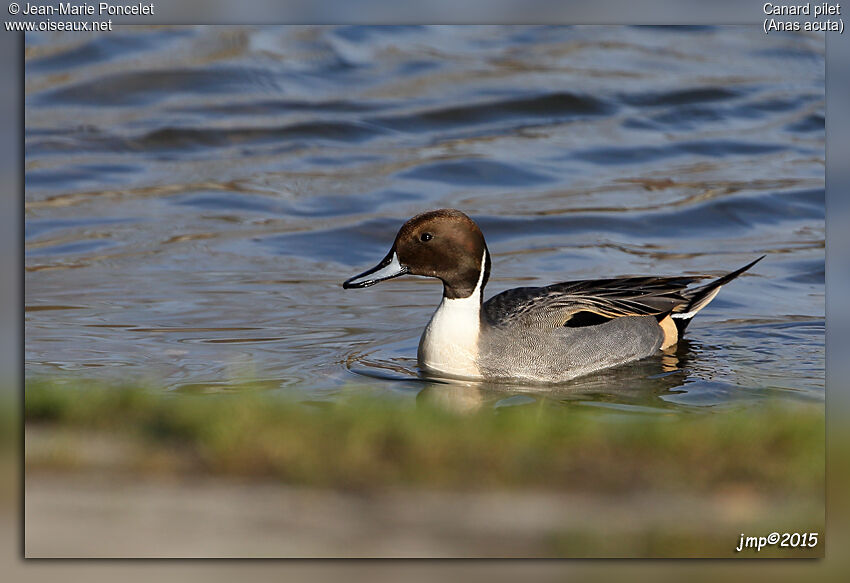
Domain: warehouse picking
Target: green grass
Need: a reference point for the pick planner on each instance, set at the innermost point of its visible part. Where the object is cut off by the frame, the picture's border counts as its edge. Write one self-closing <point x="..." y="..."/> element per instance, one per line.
<point x="645" y="485"/>
<point x="361" y="443"/>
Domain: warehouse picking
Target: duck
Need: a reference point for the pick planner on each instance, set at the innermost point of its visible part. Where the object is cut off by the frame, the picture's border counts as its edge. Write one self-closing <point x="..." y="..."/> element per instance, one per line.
<point x="549" y="334"/>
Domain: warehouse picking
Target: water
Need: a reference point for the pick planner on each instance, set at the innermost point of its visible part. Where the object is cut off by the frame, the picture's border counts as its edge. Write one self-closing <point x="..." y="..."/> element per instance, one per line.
<point x="196" y="196"/>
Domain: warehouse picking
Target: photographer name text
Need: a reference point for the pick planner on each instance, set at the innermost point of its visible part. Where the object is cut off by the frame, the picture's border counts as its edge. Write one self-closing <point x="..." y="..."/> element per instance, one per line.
<point x="99" y="9"/>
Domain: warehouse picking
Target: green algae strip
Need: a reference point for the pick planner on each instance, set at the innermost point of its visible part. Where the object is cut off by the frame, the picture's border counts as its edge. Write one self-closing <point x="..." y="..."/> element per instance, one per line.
<point x="361" y="443"/>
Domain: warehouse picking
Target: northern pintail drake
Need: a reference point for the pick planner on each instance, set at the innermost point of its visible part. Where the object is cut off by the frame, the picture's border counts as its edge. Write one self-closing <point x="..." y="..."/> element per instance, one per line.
<point x="542" y="334"/>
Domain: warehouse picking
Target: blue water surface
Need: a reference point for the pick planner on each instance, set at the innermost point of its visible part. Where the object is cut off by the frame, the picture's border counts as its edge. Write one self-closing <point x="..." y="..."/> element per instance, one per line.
<point x="196" y="195"/>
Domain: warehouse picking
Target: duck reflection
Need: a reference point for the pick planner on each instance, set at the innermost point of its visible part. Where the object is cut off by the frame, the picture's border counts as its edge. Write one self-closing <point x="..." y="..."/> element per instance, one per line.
<point x="639" y="384"/>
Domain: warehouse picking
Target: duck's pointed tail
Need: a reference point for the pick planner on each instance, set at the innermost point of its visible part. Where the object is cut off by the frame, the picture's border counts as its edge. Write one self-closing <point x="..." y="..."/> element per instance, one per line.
<point x="701" y="296"/>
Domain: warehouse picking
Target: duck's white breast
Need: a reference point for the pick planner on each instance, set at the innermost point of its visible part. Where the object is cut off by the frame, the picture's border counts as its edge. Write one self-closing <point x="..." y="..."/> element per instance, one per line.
<point x="450" y="341"/>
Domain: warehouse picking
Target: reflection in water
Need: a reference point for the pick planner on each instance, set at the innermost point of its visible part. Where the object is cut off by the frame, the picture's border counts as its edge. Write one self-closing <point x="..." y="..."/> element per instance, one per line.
<point x="629" y="388"/>
<point x="457" y="397"/>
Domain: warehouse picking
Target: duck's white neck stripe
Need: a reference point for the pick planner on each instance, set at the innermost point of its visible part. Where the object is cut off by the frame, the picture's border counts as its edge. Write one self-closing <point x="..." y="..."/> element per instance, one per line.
<point x="476" y="293"/>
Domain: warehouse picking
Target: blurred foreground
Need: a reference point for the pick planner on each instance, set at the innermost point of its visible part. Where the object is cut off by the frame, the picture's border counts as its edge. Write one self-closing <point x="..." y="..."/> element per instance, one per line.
<point x="248" y="475"/>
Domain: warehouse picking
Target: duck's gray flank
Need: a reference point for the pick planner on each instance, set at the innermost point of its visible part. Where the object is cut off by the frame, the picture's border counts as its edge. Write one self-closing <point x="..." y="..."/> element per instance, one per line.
<point x="542" y="334"/>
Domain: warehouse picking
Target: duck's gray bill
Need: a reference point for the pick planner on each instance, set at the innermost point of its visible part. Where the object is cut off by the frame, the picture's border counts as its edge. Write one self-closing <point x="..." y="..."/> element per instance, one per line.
<point x="386" y="269"/>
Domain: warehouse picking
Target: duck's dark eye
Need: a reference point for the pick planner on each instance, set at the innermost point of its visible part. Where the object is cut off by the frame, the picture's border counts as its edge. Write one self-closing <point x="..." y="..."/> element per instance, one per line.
<point x="425" y="237"/>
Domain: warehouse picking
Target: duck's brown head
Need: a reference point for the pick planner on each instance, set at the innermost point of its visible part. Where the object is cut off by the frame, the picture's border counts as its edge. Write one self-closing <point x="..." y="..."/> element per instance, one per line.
<point x="445" y="244"/>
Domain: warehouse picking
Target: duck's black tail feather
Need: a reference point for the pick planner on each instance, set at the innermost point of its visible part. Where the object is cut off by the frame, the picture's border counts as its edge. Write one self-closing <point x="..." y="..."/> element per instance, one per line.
<point x="701" y="296"/>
